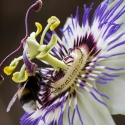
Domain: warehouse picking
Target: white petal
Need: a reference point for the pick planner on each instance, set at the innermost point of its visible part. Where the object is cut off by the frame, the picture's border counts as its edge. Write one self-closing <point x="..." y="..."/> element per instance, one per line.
<point x="114" y="62"/>
<point x="116" y="92"/>
<point x="93" y="112"/>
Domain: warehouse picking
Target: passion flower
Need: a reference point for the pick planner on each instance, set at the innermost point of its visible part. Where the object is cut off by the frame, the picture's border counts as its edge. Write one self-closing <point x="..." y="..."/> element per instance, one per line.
<point x="84" y="78"/>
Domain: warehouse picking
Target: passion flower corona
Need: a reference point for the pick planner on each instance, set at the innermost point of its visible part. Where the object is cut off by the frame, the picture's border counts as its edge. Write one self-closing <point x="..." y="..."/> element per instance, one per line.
<point x="83" y="82"/>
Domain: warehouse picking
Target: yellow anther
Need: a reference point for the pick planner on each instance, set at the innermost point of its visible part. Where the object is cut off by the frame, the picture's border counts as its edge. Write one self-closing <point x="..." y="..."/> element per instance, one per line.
<point x="39" y="28"/>
<point x="9" y="69"/>
<point x="55" y="21"/>
<point x="17" y="79"/>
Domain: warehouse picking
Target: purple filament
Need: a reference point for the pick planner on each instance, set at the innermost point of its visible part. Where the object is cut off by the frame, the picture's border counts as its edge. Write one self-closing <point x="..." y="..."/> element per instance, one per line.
<point x="60" y="121"/>
<point x="97" y="99"/>
<point x="113" y="29"/>
<point x="116" y="39"/>
<point x="73" y="115"/>
<point x="121" y="12"/>
<point x="101" y="25"/>
<point x="100" y="10"/>
<point x="118" y="44"/>
<point x="117" y="54"/>
<point x="86" y="14"/>
<point x="72" y="21"/>
<point x="53" y="122"/>
<point x="79" y="115"/>
<point x="63" y="35"/>
<point x="69" y="116"/>
<point x="110" y="12"/>
<point x="110" y="75"/>
<point x="101" y="82"/>
<point x="46" y="41"/>
<point x="100" y="93"/>
<point x="103" y="9"/>
<point x="48" y="35"/>
<point x="102" y="78"/>
<point x="114" y="69"/>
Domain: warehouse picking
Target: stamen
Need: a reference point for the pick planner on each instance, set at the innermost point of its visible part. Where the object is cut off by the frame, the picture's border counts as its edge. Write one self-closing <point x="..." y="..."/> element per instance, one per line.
<point x="9" y="69"/>
<point x="53" y="22"/>
<point x="21" y="76"/>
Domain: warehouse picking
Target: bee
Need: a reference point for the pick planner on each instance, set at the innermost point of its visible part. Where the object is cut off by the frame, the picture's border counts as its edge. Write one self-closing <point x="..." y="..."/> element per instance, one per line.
<point x="28" y="93"/>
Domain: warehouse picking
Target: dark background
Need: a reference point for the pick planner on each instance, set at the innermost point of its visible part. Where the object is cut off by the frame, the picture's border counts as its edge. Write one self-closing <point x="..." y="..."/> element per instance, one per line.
<point x="12" y="30"/>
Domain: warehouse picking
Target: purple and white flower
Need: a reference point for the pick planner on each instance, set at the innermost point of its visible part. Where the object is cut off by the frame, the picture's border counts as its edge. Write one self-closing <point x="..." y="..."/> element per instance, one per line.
<point x="85" y="69"/>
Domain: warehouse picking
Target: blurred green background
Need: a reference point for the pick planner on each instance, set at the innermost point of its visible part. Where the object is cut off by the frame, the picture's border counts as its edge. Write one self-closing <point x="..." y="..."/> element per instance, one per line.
<point x="12" y="30"/>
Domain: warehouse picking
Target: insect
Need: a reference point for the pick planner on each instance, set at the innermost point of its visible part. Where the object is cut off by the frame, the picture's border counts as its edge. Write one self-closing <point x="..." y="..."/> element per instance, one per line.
<point x="28" y="93"/>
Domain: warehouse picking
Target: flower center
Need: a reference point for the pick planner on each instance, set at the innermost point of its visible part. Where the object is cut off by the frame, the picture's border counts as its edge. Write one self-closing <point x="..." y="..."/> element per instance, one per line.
<point x="76" y="61"/>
